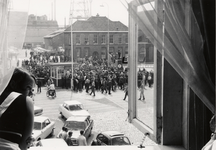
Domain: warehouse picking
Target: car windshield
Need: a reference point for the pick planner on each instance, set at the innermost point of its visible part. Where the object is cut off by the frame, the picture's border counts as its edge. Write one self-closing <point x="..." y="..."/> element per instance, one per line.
<point x="120" y="141"/>
<point x="37" y="126"/>
<point x="74" y="125"/>
<point x="76" y="107"/>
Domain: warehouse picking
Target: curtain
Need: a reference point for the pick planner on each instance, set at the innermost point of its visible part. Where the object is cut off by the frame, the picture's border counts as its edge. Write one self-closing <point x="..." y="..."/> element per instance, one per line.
<point x="182" y="50"/>
<point x="13" y="23"/>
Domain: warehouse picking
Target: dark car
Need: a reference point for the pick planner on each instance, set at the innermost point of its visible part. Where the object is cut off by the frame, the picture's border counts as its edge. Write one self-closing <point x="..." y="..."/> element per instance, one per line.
<point x="111" y="138"/>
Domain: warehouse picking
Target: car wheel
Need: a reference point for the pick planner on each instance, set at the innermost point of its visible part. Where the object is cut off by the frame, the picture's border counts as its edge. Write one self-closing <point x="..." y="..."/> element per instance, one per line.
<point x="62" y="115"/>
<point x="52" y="133"/>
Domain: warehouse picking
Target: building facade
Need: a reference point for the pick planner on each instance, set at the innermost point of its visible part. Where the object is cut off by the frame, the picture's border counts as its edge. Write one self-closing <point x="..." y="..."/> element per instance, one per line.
<point x="37" y="28"/>
<point x="90" y="40"/>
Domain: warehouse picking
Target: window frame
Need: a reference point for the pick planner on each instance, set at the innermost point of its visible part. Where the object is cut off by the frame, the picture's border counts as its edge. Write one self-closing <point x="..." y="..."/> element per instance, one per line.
<point x="86" y="39"/>
<point x="120" y="38"/>
<point x="111" y="39"/>
<point x="78" y="39"/>
<point x="160" y="133"/>
<point x="95" y="39"/>
<point x="103" y="39"/>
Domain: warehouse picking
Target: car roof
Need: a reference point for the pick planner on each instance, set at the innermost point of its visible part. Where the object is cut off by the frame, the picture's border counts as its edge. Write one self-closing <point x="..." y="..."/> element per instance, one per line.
<point x="77" y="118"/>
<point x="72" y="102"/>
<point x="53" y="142"/>
<point x="40" y="118"/>
<point x="112" y="133"/>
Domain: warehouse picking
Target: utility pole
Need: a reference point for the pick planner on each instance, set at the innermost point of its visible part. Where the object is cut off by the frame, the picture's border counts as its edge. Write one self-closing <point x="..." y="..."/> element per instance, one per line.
<point x="80" y="10"/>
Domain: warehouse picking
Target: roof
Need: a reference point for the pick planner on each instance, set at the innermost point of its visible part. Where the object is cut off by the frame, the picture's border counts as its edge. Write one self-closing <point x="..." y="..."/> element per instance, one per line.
<point x="40" y="118"/>
<point x="97" y="23"/>
<point x="112" y="133"/>
<point x="55" y="33"/>
<point x="53" y="142"/>
<point x="72" y="102"/>
<point x="77" y="118"/>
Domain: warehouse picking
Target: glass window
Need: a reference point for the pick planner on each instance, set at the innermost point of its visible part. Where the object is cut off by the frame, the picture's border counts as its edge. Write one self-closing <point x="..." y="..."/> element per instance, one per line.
<point x="103" y="53"/>
<point x="86" y="39"/>
<point x="111" y="39"/>
<point x="37" y="126"/>
<point x="120" y="39"/>
<point x="95" y="40"/>
<point x="86" y="51"/>
<point x="78" y="39"/>
<point x="76" y="107"/>
<point x="78" y="50"/>
<point x="103" y="139"/>
<point x="120" y="141"/>
<point x="75" y="125"/>
<point x="103" y="39"/>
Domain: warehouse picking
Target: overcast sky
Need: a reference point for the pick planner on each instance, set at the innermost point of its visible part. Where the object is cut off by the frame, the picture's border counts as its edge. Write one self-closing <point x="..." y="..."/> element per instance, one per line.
<point x="113" y="9"/>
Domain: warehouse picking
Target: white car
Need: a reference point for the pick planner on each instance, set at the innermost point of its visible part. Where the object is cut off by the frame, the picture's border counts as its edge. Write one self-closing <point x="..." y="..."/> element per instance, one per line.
<point x="78" y="123"/>
<point x="72" y="108"/>
<point x="38" y="111"/>
<point x="43" y="127"/>
<point x="54" y="142"/>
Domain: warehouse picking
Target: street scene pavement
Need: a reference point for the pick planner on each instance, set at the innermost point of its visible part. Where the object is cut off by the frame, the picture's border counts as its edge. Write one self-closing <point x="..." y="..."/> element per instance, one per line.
<point x="109" y="112"/>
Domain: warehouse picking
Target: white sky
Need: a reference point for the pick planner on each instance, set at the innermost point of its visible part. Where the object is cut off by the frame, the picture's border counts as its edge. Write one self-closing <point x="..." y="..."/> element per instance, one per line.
<point x="113" y="9"/>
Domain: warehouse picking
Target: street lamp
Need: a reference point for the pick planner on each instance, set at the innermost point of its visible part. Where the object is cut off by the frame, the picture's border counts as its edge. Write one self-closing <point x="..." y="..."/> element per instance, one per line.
<point x="108" y="61"/>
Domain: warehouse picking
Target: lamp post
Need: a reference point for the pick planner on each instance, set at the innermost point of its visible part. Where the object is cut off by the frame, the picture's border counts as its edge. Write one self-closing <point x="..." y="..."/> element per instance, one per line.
<point x="71" y="55"/>
<point x="108" y="61"/>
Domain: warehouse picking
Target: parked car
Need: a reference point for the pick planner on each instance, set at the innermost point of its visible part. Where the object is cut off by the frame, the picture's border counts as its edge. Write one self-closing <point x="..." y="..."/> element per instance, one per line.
<point x="72" y="108"/>
<point x="110" y="138"/>
<point x="38" y="111"/>
<point x="54" y="142"/>
<point x="78" y="123"/>
<point x="43" y="127"/>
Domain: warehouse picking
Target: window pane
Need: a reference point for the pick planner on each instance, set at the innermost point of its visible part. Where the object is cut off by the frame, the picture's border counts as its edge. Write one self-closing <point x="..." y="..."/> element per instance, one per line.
<point x="145" y="76"/>
<point x="95" y="40"/>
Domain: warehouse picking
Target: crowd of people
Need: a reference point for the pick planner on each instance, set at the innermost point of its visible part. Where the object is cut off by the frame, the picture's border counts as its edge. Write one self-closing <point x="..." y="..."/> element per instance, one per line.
<point x="66" y="136"/>
<point x="89" y="74"/>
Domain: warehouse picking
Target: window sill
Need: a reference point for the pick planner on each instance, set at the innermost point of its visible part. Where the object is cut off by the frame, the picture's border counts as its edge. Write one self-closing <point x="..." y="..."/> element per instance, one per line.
<point x="155" y="147"/>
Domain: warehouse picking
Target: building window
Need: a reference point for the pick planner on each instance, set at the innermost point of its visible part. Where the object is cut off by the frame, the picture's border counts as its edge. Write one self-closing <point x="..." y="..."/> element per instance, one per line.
<point x="111" y="39"/>
<point x="120" y="39"/>
<point x="78" y="52"/>
<point x="103" y="53"/>
<point x="95" y="40"/>
<point x="86" y="39"/>
<point x="103" y="39"/>
<point x="86" y="51"/>
<point x="126" y="38"/>
<point x="78" y="39"/>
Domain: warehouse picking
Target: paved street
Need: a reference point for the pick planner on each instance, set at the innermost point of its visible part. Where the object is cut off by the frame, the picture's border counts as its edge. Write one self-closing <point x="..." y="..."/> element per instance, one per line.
<point x="109" y="112"/>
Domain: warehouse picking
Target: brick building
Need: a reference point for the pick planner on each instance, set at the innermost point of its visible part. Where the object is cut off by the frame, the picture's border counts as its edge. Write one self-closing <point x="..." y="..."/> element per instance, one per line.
<point x="90" y="38"/>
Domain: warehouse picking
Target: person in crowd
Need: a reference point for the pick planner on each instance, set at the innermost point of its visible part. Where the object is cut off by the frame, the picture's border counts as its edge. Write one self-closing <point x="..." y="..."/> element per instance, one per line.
<point x="64" y="133"/>
<point x="142" y="88"/>
<point x="15" y="133"/>
<point x="126" y="91"/>
<point x="103" y="85"/>
<point x="82" y="139"/>
<point x="87" y="82"/>
<point x="109" y="84"/>
<point x="51" y="89"/>
<point x="211" y="144"/>
<point x="39" y="86"/>
<point x="151" y="78"/>
<point x="93" y="87"/>
<point x="68" y="139"/>
<point x="63" y="80"/>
